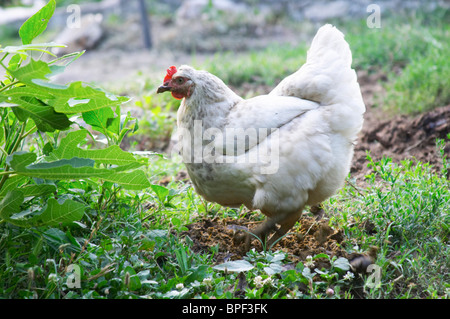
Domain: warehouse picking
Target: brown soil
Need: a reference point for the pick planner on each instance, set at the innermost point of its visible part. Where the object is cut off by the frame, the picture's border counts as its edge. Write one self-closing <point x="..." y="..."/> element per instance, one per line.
<point x="402" y="138"/>
<point x="309" y="238"/>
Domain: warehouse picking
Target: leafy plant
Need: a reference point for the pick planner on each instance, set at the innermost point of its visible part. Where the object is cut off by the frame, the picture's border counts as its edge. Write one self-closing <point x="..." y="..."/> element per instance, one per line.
<point x="32" y="104"/>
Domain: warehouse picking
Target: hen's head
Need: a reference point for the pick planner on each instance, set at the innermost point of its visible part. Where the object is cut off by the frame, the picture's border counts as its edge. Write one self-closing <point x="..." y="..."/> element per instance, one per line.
<point x="197" y="86"/>
<point x="180" y="82"/>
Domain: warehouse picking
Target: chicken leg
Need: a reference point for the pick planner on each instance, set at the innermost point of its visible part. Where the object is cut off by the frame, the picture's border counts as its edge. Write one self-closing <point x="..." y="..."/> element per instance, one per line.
<point x="285" y="222"/>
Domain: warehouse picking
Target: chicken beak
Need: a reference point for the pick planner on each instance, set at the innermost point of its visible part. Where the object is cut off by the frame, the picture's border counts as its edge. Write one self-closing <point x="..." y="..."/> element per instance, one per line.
<point x="163" y="88"/>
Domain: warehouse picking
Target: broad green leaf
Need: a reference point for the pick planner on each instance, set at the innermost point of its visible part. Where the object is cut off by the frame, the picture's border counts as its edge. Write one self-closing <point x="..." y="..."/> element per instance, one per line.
<point x="160" y="191"/>
<point x="321" y="255"/>
<point x="134" y="283"/>
<point x="37" y="73"/>
<point x="342" y="263"/>
<point x="53" y="214"/>
<point x="235" y="266"/>
<point x="134" y="180"/>
<point x="38" y="190"/>
<point x="37" y="23"/>
<point x="88" y="98"/>
<point x="56" y="237"/>
<point x="198" y="273"/>
<point x="69" y="99"/>
<point x="114" y="155"/>
<point x="10" y="204"/>
<point x="45" y="117"/>
<point x="18" y="160"/>
<point x="56" y="213"/>
<point x="308" y="274"/>
<point x="77" y="168"/>
<point x="31" y="71"/>
<point x="20" y="91"/>
<point x="99" y="118"/>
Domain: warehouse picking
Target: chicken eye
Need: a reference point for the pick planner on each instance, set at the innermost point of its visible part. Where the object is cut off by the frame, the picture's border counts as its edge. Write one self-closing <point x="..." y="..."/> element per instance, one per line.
<point x="179" y="80"/>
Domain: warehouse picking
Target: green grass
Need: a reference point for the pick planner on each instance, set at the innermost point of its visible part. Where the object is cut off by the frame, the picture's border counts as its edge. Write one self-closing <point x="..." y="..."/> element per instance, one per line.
<point x="422" y="85"/>
<point x="408" y="207"/>
<point x="266" y="67"/>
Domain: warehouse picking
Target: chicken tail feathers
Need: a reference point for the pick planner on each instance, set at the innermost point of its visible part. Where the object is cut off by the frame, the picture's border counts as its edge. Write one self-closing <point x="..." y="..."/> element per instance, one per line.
<point x="327" y="78"/>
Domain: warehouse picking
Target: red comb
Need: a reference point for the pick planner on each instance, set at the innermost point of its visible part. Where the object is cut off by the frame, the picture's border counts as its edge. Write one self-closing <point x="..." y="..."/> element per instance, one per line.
<point x="170" y="72"/>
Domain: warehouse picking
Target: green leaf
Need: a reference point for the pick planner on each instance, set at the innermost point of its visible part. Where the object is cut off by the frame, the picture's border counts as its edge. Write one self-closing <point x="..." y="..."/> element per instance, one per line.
<point x="99" y="118"/>
<point x="11" y="184"/>
<point x="29" y="91"/>
<point x="273" y="269"/>
<point x="37" y="23"/>
<point x="161" y="192"/>
<point x="53" y="214"/>
<point x="135" y="180"/>
<point x="77" y="168"/>
<point x="56" y="237"/>
<point x="20" y="159"/>
<point x="307" y="274"/>
<point x="235" y="266"/>
<point x="44" y="116"/>
<point x="38" y="190"/>
<point x="35" y="73"/>
<point x="56" y="213"/>
<point x="74" y="98"/>
<point x="10" y="204"/>
<point x="342" y="263"/>
<point x="198" y="273"/>
<point x="113" y="155"/>
<point x="80" y="98"/>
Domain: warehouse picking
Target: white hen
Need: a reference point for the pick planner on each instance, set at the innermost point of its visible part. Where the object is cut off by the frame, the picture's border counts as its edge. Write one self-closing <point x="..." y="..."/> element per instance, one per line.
<point x="288" y="149"/>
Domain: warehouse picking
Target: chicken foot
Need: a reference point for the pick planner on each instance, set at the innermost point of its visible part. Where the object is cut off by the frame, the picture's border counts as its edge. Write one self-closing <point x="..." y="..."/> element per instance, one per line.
<point x="285" y="222"/>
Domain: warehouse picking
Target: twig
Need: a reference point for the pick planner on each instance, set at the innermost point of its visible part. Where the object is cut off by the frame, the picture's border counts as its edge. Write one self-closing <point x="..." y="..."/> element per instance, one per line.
<point x="87" y="241"/>
<point x="356" y="188"/>
<point x="103" y="271"/>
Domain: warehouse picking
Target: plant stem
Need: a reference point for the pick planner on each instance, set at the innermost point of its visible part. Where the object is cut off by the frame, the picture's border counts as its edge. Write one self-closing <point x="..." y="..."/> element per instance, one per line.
<point x="4" y="57"/>
<point x="9" y="85"/>
<point x="3" y="151"/>
<point x="20" y="137"/>
<point x="7" y="173"/>
<point x="29" y="132"/>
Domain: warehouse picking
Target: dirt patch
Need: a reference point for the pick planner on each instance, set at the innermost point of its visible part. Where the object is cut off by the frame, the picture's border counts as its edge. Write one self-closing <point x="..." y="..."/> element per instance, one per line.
<point x="402" y="138"/>
<point x="309" y="238"/>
